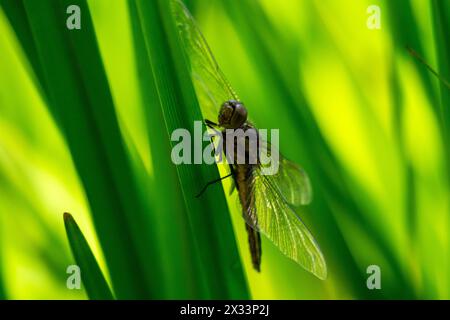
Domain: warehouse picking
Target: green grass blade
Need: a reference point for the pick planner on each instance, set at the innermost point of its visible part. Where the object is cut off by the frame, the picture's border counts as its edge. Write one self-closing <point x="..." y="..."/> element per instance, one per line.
<point x="441" y="12"/>
<point x="208" y="216"/>
<point x="80" y="101"/>
<point x="2" y="291"/>
<point x="178" y="253"/>
<point x="2" y="283"/>
<point x="441" y="30"/>
<point x="405" y="33"/>
<point x="15" y="11"/>
<point x="419" y="58"/>
<point x="92" y="277"/>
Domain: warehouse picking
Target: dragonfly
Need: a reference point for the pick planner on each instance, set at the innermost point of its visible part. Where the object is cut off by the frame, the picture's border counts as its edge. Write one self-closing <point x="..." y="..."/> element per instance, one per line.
<point x="268" y="202"/>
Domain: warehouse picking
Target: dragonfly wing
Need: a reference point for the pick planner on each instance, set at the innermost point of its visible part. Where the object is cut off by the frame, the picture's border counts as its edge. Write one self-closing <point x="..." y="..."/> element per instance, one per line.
<point x="210" y="84"/>
<point x="290" y="180"/>
<point x="293" y="183"/>
<point x="270" y="214"/>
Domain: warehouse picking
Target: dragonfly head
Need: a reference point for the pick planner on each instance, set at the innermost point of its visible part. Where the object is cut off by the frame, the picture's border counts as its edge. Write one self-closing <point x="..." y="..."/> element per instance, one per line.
<point x="232" y="114"/>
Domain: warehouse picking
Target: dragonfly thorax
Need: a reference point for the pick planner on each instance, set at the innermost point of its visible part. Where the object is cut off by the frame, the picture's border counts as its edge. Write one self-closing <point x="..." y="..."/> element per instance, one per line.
<point x="232" y="114"/>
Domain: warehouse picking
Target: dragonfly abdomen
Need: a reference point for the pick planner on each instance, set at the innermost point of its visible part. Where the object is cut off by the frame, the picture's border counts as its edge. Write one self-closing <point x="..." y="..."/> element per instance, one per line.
<point x="243" y="174"/>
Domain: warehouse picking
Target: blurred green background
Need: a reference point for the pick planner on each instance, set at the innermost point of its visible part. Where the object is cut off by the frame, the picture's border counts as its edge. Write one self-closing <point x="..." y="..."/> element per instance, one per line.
<point x="85" y="121"/>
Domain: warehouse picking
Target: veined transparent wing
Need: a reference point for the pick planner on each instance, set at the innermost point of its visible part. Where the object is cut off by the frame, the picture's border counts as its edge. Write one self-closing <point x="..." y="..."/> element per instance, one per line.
<point x="269" y="213"/>
<point x="210" y="84"/>
<point x="290" y="180"/>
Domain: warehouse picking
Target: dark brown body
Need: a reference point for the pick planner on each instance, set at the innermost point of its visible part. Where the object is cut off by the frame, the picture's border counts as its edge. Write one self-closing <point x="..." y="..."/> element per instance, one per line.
<point x="242" y="174"/>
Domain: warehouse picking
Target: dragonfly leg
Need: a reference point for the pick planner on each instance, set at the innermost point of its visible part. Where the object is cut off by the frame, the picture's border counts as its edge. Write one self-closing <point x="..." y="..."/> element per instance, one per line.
<point x="210" y="124"/>
<point x="212" y="182"/>
<point x="233" y="184"/>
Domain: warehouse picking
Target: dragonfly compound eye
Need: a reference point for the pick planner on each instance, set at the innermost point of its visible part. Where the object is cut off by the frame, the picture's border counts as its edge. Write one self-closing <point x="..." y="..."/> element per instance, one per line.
<point x="232" y="114"/>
